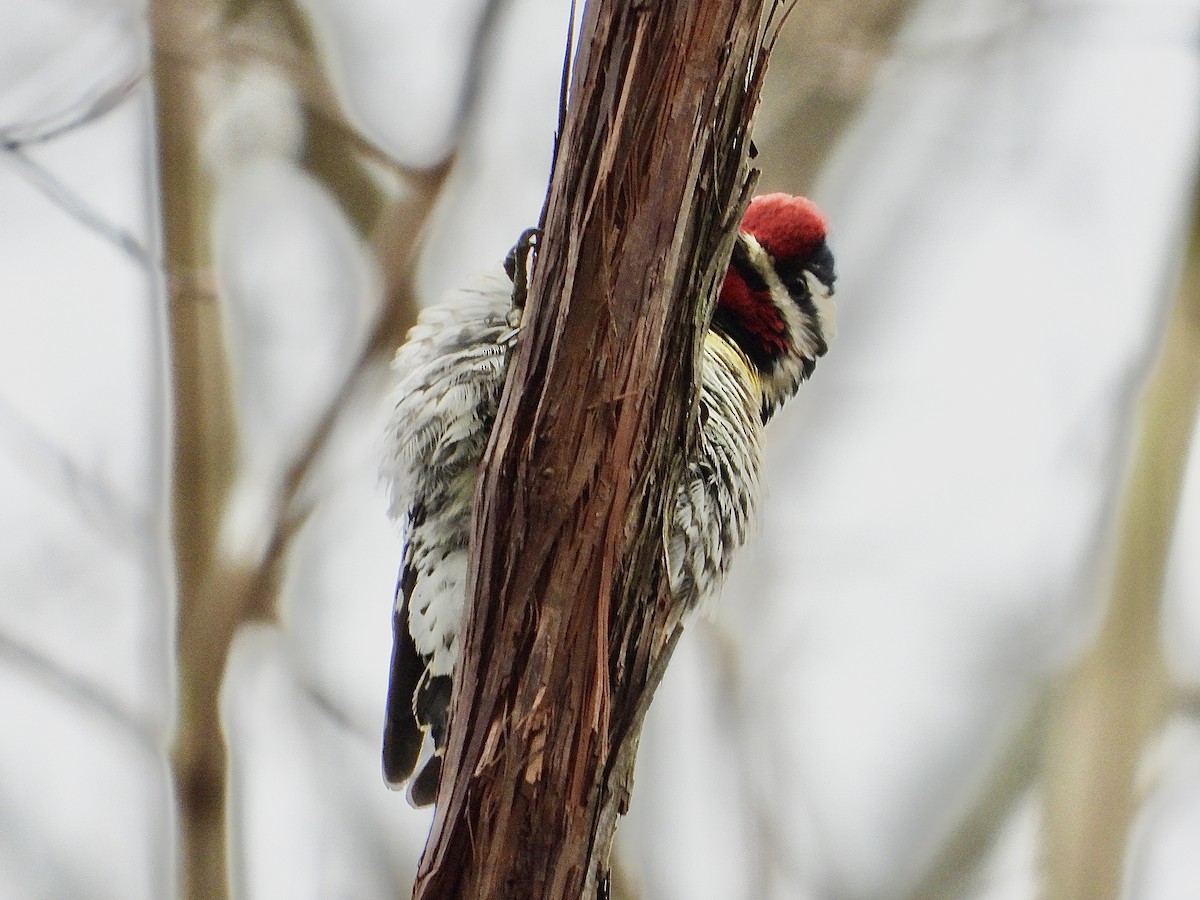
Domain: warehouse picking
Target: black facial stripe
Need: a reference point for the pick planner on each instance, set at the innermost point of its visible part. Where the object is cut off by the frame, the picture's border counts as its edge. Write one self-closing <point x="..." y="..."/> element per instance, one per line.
<point x="798" y="290"/>
<point x="740" y="262"/>
<point x="819" y="261"/>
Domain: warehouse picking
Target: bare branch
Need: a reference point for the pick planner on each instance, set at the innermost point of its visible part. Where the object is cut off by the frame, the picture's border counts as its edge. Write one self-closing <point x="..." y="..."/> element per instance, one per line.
<point x="217" y="597"/>
<point x="45" y="181"/>
<point x="1121" y="692"/>
<point x="49" y="674"/>
<point x="112" y="518"/>
<point x="91" y="107"/>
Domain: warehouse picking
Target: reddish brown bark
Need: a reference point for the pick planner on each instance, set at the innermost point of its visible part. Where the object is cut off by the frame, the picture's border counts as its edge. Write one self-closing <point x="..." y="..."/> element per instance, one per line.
<point x="570" y="625"/>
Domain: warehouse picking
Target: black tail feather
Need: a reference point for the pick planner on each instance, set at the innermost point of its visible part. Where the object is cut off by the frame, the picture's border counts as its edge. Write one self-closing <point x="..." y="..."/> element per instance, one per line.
<point x="422" y="790"/>
<point x="402" y="736"/>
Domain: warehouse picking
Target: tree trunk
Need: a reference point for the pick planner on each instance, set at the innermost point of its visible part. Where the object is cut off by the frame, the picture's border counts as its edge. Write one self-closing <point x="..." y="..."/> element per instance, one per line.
<point x="570" y="624"/>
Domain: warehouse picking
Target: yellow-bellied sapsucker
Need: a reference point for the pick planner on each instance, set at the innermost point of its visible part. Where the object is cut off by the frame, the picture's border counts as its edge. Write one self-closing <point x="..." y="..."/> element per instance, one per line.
<point x="772" y="321"/>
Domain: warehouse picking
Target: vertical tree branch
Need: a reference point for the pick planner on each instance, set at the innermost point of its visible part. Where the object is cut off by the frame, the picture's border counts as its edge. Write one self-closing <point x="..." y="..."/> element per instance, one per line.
<point x="217" y="595"/>
<point x="203" y="463"/>
<point x="570" y="625"/>
<point x="1118" y="697"/>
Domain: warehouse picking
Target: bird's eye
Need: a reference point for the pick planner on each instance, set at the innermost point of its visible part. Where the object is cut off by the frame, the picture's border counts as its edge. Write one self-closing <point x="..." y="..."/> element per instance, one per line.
<point x="818" y="261"/>
<point x="795" y="281"/>
<point x="792" y="273"/>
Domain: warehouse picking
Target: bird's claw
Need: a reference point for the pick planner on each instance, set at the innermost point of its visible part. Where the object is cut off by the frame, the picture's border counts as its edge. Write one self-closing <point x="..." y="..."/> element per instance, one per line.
<point x="518" y="265"/>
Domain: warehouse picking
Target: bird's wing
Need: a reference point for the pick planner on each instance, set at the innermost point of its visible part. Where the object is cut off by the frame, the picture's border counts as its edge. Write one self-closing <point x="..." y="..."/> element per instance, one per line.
<point x="449" y="375"/>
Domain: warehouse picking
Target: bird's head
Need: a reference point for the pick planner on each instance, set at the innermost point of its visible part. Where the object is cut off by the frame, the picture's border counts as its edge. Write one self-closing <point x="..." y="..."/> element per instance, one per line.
<point x="775" y="302"/>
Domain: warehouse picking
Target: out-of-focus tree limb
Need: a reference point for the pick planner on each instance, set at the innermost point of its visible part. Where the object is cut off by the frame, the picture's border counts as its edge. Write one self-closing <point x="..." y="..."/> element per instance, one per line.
<point x="216" y="595"/>
<point x="824" y="65"/>
<point x="204" y="453"/>
<point x="387" y="202"/>
<point x="46" y="181"/>
<point x="1118" y="697"/>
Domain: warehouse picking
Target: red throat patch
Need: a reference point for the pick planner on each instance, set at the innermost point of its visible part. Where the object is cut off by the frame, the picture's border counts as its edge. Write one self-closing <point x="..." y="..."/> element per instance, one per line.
<point x="785" y="226"/>
<point x="754" y="314"/>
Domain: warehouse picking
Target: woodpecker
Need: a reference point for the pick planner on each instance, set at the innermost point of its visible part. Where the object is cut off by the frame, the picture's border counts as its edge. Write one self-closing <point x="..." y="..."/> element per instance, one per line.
<point x="773" y="320"/>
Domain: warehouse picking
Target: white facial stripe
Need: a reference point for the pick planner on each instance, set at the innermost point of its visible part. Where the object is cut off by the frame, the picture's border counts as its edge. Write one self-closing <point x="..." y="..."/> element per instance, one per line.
<point x="782" y="381"/>
<point x="826" y="310"/>
<point x="765" y="266"/>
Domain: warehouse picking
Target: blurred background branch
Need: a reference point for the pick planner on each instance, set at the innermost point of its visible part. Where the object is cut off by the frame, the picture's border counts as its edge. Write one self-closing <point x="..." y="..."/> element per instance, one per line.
<point x="1115" y="703"/>
<point x="387" y="203"/>
<point x="208" y="610"/>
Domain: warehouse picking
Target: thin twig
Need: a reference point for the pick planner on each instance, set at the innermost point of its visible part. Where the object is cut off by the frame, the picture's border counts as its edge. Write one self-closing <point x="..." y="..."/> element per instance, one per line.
<point x="70" y="202"/>
<point x="112" y="518"/>
<point x="82" y="691"/>
<point x="90" y="108"/>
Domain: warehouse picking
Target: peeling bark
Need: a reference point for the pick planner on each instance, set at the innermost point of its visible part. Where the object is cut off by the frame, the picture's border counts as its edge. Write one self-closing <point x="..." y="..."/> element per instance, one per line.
<point x="570" y="626"/>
